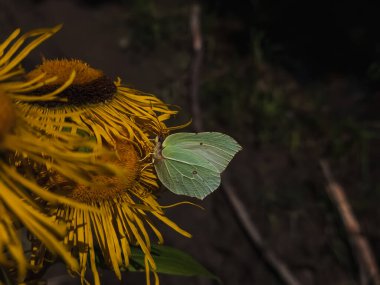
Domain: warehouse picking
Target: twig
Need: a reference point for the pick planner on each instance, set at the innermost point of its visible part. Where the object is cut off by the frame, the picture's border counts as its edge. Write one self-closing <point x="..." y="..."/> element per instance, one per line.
<point x="278" y="266"/>
<point x="195" y="27"/>
<point x="369" y="273"/>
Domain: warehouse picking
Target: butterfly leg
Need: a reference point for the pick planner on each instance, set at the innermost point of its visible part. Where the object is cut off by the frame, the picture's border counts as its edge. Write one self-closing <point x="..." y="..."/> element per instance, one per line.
<point x="147" y="165"/>
<point x="145" y="157"/>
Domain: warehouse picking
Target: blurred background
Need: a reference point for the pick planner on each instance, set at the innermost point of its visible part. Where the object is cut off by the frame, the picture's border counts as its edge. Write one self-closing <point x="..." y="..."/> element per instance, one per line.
<point x="294" y="82"/>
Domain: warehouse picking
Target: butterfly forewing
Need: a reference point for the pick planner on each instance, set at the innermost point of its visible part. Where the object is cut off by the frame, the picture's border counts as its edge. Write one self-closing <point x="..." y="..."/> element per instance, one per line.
<point x="187" y="173"/>
<point x="217" y="148"/>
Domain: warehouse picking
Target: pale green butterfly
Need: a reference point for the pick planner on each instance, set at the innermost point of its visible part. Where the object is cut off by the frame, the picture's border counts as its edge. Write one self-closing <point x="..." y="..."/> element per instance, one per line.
<point x="191" y="163"/>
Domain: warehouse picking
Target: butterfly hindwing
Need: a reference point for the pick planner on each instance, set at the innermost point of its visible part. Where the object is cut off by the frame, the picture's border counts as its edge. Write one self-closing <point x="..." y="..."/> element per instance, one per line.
<point x="186" y="173"/>
<point x="217" y="148"/>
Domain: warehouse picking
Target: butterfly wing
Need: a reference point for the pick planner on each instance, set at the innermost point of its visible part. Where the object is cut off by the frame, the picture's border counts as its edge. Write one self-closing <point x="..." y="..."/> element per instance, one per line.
<point x="187" y="173"/>
<point x="217" y="148"/>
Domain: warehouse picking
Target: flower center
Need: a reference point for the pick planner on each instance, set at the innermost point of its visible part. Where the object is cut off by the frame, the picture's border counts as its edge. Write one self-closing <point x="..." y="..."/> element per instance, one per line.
<point x="7" y="114"/>
<point x="90" y="85"/>
<point x="106" y="187"/>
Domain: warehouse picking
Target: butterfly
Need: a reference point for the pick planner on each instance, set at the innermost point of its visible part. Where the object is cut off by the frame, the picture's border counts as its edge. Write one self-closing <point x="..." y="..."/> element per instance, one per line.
<point x="191" y="163"/>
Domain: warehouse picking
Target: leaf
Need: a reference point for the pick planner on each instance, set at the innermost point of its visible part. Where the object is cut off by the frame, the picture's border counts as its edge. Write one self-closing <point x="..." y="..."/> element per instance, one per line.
<point x="170" y="261"/>
<point x="4" y="277"/>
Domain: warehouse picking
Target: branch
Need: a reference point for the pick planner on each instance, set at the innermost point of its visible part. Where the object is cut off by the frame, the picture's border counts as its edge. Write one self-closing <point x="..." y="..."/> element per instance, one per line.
<point x="195" y="27"/>
<point x="362" y="250"/>
<point x="255" y="237"/>
<point x="241" y="213"/>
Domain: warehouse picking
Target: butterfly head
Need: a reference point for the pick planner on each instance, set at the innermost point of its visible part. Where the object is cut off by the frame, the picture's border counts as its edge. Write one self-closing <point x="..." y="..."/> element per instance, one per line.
<point x="157" y="154"/>
<point x="159" y="139"/>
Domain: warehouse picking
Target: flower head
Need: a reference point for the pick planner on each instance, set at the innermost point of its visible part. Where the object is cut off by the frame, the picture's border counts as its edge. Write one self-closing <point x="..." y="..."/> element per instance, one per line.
<point x="109" y="109"/>
<point x="122" y="119"/>
<point x="30" y="151"/>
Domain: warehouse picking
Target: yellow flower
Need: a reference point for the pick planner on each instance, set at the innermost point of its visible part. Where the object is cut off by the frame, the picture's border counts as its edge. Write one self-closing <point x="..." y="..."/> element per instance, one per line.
<point x="127" y="121"/>
<point x="28" y="145"/>
<point x="109" y="109"/>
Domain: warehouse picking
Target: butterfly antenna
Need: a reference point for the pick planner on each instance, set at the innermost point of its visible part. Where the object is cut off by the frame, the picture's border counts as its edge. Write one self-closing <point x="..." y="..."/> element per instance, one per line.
<point x="181" y="126"/>
<point x="159" y="124"/>
<point x="146" y="166"/>
<point x="181" y="203"/>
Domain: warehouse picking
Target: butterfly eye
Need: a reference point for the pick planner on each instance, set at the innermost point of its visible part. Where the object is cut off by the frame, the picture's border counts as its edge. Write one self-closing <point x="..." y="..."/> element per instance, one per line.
<point x="159" y="139"/>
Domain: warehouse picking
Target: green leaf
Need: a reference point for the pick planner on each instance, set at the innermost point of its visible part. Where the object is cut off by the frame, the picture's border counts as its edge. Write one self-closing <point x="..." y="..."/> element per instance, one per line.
<point x="4" y="277"/>
<point x="170" y="261"/>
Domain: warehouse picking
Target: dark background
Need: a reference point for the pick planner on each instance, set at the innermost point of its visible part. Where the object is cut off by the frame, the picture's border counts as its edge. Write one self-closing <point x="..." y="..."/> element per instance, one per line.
<point x="292" y="81"/>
